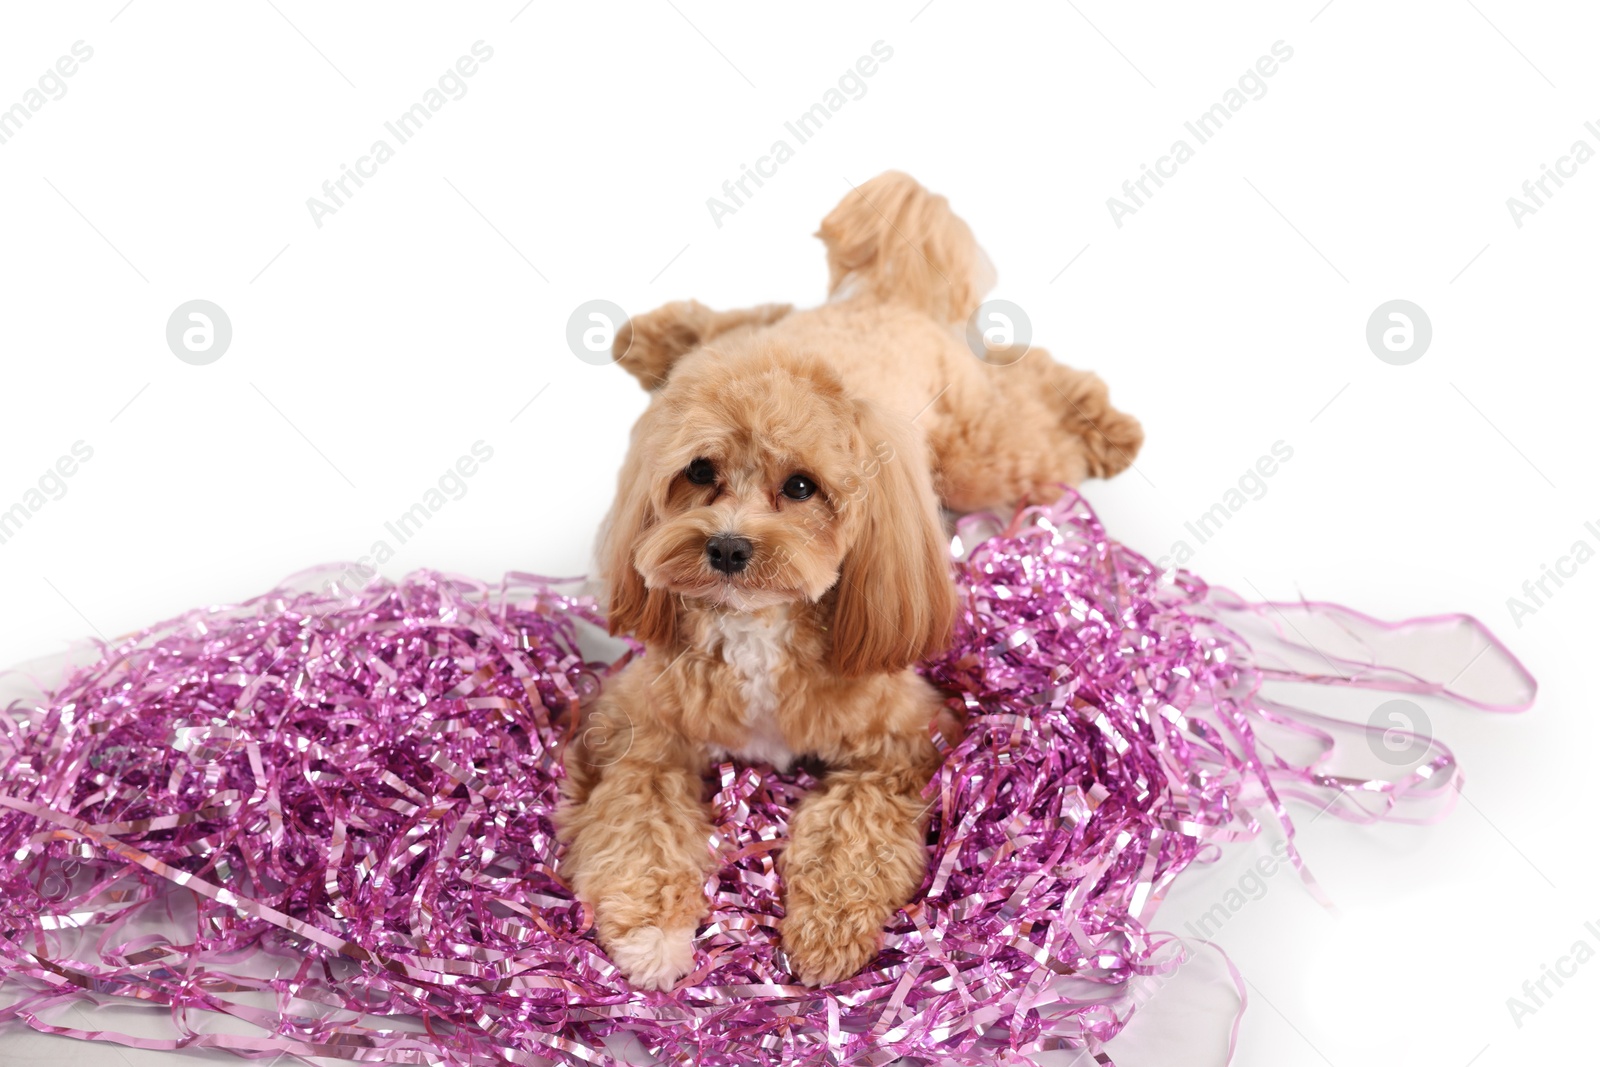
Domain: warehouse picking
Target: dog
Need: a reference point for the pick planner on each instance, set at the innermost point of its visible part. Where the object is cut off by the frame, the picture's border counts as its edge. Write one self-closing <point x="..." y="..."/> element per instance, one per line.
<point x="777" y="546"/>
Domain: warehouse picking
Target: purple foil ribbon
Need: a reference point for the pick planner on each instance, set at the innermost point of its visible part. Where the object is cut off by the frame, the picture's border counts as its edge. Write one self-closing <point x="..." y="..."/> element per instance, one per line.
<point x="327" y="814"/>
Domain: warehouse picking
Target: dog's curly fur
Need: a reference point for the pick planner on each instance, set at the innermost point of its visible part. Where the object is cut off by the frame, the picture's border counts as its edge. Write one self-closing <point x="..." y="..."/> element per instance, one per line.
<point x="876" y="399"/>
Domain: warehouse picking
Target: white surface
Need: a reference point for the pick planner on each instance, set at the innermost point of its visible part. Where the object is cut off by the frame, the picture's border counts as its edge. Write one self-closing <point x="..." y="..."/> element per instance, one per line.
<point x="407" y="328"/>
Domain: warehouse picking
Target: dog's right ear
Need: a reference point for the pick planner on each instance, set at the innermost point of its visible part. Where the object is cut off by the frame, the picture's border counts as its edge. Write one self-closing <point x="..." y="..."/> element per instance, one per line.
<point x="648" y="345"/>
<point x="648" y="614"/>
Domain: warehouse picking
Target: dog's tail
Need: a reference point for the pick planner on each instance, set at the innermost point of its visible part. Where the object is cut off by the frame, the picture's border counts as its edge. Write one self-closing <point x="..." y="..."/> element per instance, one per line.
<point x="893" y="240"/>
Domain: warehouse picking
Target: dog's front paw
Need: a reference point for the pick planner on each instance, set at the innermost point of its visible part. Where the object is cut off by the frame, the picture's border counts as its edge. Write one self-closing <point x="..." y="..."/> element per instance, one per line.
<point x="829" y="944"/>
<point x="652" y="957"/>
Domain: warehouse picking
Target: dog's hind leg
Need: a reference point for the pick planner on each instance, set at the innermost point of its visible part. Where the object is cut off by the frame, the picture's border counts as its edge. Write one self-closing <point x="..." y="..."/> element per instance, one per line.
<point x="893" y="241"/>
<point x="1038" y="425"/>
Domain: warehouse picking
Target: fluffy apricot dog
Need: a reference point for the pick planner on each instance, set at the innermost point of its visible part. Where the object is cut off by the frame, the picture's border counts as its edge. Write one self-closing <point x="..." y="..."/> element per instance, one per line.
<point x="776" y="544"/>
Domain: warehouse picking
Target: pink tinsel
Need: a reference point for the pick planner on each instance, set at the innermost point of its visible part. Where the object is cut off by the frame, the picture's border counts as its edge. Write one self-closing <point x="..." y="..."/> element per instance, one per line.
<point x="328" y="814"/>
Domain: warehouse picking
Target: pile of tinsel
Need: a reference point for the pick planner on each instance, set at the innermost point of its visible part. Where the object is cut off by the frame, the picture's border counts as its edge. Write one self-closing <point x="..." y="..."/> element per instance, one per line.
<point x="328" y="813"/>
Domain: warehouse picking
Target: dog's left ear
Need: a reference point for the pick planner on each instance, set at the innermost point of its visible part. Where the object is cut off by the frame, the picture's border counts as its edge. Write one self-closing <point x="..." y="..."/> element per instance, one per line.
<point x="895" y="603"/>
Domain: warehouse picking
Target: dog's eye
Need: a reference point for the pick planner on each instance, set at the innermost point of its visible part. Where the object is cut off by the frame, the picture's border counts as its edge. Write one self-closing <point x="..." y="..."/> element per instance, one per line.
<point x="701" y="472"/>
<point x="799" y="487"/>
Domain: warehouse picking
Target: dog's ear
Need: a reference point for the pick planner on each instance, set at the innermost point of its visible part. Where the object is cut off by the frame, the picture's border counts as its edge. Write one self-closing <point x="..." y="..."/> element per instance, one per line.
<point x="894" y="603"/>
<point x="648" y="614"/>
<point x="648" y="345"/>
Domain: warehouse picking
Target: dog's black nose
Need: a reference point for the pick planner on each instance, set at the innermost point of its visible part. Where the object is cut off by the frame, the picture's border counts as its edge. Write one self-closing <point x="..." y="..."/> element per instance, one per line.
<point x="728" y="553"/>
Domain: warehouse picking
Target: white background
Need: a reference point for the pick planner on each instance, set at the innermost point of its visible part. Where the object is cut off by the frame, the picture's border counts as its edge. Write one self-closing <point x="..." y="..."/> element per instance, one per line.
<point x="1228" y="313"/>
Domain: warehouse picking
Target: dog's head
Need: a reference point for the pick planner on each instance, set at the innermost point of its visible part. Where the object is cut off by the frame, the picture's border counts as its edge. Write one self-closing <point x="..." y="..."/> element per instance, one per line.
<point x="754" y="480"/>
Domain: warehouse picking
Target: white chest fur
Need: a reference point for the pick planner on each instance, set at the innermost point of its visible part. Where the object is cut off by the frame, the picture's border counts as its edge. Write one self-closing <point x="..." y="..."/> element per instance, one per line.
<point x="754" y="646"/>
